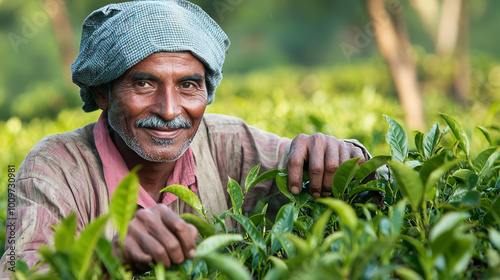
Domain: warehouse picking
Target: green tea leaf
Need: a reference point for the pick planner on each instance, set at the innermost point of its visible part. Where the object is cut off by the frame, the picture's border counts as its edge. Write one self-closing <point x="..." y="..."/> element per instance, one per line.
<point x="419" y="142"/>
<point x="64" y="236"/>
<point x="83" y="248"/>
<point x="397" y="140"/>
<point x="482" y="158"/>
<point x="486" y="134"/>
<point x="440" y="235"/>
<point x="318" y="230"/>
<point x="252" y="231"/>
<point x="230" y="267"/>
<point x="493" y="212"/>
<point x="439" y="172"/>
<point x="459" y="133"/>
<point x="462" y="174"/>
<point x="269" y="175"/>
<point x="252" y="175"/>
<point x="214" y="243"/>
<point x="408" y="181"/>
<point x="397" y="213"/>
<point x="489" y="165"/>
<point x="104" y="251"/>
<point x="283" y="223"/>
<point x="282" y="183"/>
<point x="343" y="176"/>
<point x="234" y="190"/>
<point x="188" y="196"/>
<point x="204" y="228"/>
<point x="494" y="236"/>
<point x="123" y="204"/>
<point x="344" y="210"/>
<point x="430" y="140"/>
<point x="370" y="166"/>
<point x="407" y="273"/>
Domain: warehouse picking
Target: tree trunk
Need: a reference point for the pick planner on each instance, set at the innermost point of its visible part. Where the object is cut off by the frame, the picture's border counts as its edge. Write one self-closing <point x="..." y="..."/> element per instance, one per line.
<point x="448" y="27"/>
<point x="461" y="86"/>
<point x="58" y="14"/>
<point x="396" y="49"/>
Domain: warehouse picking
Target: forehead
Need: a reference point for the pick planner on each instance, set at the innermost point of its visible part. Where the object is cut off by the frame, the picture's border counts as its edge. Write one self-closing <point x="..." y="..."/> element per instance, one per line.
<point x="169" y="62"/>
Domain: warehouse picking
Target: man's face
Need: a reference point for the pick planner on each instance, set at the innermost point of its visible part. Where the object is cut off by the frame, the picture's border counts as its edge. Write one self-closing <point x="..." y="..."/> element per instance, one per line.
<point x="157" y="105"/>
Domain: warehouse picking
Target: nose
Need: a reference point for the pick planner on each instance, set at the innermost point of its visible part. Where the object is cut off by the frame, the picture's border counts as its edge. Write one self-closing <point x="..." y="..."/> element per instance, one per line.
<point x="168" y="103"/>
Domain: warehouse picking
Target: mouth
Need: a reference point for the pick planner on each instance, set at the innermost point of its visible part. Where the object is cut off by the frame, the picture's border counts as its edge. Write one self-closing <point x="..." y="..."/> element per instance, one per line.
<point x="164" y="132"/>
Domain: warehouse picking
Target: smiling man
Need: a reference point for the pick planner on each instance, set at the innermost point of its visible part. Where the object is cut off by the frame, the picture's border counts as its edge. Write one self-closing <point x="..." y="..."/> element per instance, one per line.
<point x="152" y="67"/>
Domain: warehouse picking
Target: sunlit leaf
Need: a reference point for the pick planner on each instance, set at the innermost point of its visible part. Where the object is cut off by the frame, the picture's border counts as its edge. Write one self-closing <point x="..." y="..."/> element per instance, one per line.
<point x="230" y="267"/>
<point x="397" y="140"/>
<point x="214" y="243"/>
<point x="431" y="140"/>
<point x="489" y="165"/>
<point x="188" y="196"/>
<point x="252" y="175"/>
<point x="459" y="133"/>
<point x="343" y="176"/>
<point x="283" y="223"/>
<point x="251" y="230"/>
<point x="482" y="158"/>
<point x="419" y="142"/>
<point x="204" y="228"/>
<point x="370" y="166"/>
<point x="318" y="230"/>
<point x="408" y="182"/>
<point x="344" y="210"/>
<point x="64" y="236"/>
<point x="83" y="248"/>
<point x="282" y="183"/>
<point x="123" y="204"/>
<point x="486" y="134"/>
<point x="234" y="190"/>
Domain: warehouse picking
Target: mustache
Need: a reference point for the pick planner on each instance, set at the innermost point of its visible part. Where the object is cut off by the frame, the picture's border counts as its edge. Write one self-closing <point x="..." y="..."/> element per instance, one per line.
<point x="157" y="122"/>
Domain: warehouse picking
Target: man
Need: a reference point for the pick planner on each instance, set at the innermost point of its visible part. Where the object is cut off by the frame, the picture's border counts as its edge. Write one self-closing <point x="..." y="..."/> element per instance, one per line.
<point x="152" y="67"/>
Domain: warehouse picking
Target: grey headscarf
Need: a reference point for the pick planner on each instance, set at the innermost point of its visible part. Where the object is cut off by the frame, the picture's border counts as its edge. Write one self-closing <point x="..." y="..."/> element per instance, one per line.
<point x="118" y="36"/>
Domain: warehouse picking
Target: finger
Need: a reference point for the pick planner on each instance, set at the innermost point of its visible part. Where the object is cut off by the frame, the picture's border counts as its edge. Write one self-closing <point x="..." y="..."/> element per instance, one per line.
<point x="357" y="152"/>
<point x="316" y="165"/>
<point x="153" y="238"/>
<point x="331" y="166"/>
<point x="295" y="163"/>
<point x="181" y="231"/>
<point x="134" y="255"/>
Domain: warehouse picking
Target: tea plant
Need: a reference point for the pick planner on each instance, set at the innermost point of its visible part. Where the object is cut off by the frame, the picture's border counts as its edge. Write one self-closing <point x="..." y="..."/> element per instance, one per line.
<point x="429" y="213"/>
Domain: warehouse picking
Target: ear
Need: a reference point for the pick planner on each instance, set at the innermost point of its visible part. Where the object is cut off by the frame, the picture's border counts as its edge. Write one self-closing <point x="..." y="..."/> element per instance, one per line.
<point x="101" y="96"/>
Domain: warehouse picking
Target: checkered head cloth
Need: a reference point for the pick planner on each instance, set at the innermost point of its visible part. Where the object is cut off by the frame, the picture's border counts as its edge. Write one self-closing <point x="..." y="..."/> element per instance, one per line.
<point x="118" y="36"/>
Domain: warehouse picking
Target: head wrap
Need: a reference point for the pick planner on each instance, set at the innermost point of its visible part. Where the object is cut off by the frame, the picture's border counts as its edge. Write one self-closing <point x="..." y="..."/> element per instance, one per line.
<point x="118" y="36"/>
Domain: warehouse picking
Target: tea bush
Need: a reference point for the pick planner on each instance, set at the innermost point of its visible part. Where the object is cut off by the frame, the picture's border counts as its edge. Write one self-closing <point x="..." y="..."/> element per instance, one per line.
<point x="438" y="219"/>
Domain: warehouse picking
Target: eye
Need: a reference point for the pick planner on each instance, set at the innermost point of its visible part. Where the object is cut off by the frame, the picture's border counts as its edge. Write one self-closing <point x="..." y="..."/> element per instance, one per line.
<point x="142" y="84"/>
<point x="188" y="85"/>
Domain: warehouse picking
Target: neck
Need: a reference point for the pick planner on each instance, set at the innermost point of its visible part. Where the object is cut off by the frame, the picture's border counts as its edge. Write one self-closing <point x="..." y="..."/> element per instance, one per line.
<point x="153" y="176"/>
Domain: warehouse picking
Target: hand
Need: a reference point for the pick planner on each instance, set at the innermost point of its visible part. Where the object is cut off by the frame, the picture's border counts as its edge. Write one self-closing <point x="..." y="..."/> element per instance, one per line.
<point x="158" y="235"/>
<point x="321" y="155"/>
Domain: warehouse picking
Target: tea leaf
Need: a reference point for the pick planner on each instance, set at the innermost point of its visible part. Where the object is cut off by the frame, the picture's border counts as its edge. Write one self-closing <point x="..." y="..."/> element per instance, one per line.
<point x="282" y="183"/>
<point x="462" y="174"/>
<point x="486" y="134"/>
<point x="397" y="140"/>
<point x="234" y="190"/>
<point x="252" y="231"/>
<point x="230" y="267"/>
<point x="440" y="235"/>
<point x="397" y="213"/>
<point x="252" y="175"/>
<point x="104" y="250"/>
<point x="83" y="248"/>
<point x="419" y="142"/>
<point x="494" y="237"/>
<point x="282" y="224"/>
<point x="64" y="236"/>
<point x="344" y="210"/>
<point x="435" y="175"/>
<point x="430" y="140"/>
<point x="407" y="273"/>
<point x="370" y="166"/>
<point x="188" y="196"/>
<point x="269" y="175"/>
<point x="123" y="204"/>
<point x="493" y="212"/>
<point x="489" y="165"/>
<point x="482" y="158"/>
<point x="214" y="243"/>
<point x="408" y="181"/>
<point x="343" y="176"/>
<point x="459" y="133"/>
<point x="204" y="228"/>
<point x="318" y="230"/>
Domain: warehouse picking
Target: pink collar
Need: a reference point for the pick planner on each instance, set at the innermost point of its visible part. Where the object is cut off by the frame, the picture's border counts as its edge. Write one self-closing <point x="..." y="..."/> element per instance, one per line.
<point x="115" y="169"/>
